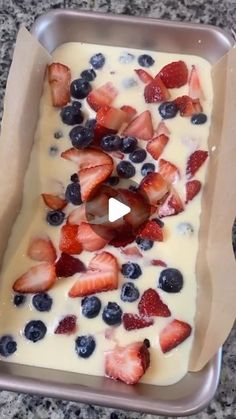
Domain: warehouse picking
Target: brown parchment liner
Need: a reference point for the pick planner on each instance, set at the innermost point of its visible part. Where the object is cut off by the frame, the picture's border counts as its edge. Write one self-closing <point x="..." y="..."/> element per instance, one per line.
<point x="216" y="267"/>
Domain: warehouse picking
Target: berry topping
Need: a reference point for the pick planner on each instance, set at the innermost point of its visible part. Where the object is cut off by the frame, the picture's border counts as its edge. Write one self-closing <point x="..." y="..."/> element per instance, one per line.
<point x="59" y="77"/>
<point x="123" y="236"/>
<point x="185" y="229"/>
<point x="7" y="346"/>
<point x="41" y="249"/>
<point x="162" y="129"/>
<point x="39" y="278"/>
<point x="91" y="178"/>
<point x="140" y="127"/>
<point x="156" y="91"/>
<point x="174" y="74"/>
<point x="174" y="334"/>
<point x="151" y="304"/>
<point x="151" y="230"/>
<point x="73" y="194"/>
<point x="188" y="106"/>
<point x="125" y="169"/>
<point x="70" y="115"/>
<point x="172" y="205"/>
<point x="90" y="124"/>
<point x="156" y="146"/>
<point x="158" y="262"/>
<point x="145" y="60"/>
<point x="147" y="168"/>
<point x="68" y="265"/>
<point x="154" y="186"/>
<point x="144" y="244"/>
<point x="53" y="201"/>
<point x="81" y="137"/>
<point x="129" y="292"/>
<point x="91" y="306"/>
<point x="85" y="346"/>
<point x="69" y="242"/>
<point x="171" y="280"/>
<point x="74" y="178"/>
<point x="94" y="236"/>
<point x="144" y="76"/>
<point x="126" y="58"/>
<point x="134" y="321"/>
<point x="199" y="118"/>
<point x="113" y="180"/>
<point x="130" y="112"/>
<point x="110" y="117"/>
<point x="80" y="88"/>
<point x="19" y="299"/>
<point x="42" y="301"/>
<point x="86" y="159"/>
<point x="195" y="89"/>
<point x="88" y="75"/>
<point x="66" y="326"/>
<point x="128" y="144"/>
<point x="97" y="61"/>
<point x="192" y="189"/>
<point x="55" y="218"/>
<point x="168" y="171"/>
<point x="168" y="110"/>
<point x="112" y="314"/>
<point x="35" y="330"/>
<point x="102" y="96"/>
<point x="111" y="143"/>
<point x="138" y="155"/>
<point x="131" y="270"/>
<point x="195" y="161"/>
<point x="132" y="251"/>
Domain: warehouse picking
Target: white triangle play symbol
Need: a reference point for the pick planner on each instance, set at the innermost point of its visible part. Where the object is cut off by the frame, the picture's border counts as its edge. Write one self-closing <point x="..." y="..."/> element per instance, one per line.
<point x="116" y="209"/>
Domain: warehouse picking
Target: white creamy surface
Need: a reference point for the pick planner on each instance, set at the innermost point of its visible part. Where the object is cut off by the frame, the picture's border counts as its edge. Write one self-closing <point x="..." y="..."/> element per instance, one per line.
<point x="51" y="175"/>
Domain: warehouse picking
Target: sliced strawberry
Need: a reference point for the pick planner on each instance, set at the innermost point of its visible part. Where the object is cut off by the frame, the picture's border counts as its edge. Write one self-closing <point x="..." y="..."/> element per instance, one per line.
<point x="68" y="265"/>
<point x="140" y="127"/>
<point x="174" y="74"/>
<point x="102" y="275"/>
<point x="195" y="88"/>
<point x="154" y="186"/>
<point x="132" y="252"/>
<point x="156" y="91"/>
<point x="128" y="363"/>
<point x="158" y="262"/>
<point x="41" y="249"/>
<point x="77" y="215"/>
<point x="174" y="334"/>
<point x="39" y="278"/>
<point x="130" y="112"/>
<point x="98" y="206"/>
<point x="195" y="161"/>
<point x="123" y="236"/>
<point x="139" y="205"/>
<point x="69" y="242"/>
<point x="188" y="106"/>
<point x="151" y="304"/>
<point x="117" y="155"/>
<point x="151" y="231"/>
<point x="66" y="326"/>
<point x="172" y="205"/>
<point x="85" y="159"/>
<point x="156" y="146"/>
<point x="94" y="237"/>
<point x="100" y="132"/>
<point x="53" y="201"/>
<point x="134" y="321"/>
<point x="59" y="78"/>
<point x="111" y="118"/>
<point x="162" y="129"/>
<point x="91" y="178"/>
<point x="192" y="189"/>
<point x="168" y="171"/>
<point x="102" y="96"/>
<point x="144" y="76"/>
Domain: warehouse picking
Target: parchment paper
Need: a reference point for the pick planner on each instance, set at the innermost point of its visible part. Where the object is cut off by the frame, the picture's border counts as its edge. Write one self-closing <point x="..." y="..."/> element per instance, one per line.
<point x="216" y="267"/>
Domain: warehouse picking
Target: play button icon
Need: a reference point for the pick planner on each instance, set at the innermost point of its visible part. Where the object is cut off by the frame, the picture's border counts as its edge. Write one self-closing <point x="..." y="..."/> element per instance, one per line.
<point x="116" y="209"/>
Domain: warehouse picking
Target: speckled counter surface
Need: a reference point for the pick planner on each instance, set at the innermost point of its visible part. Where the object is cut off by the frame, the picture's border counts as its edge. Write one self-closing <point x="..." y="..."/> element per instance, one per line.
<point x="14" y="13"/>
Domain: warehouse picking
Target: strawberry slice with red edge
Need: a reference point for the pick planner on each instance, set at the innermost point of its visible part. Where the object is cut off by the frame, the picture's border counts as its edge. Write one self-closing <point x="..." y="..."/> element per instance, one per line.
<point x="68" y="265"/>
<point x="77" y="215"/>
<point x="90" y="179"/>
<point x="140" y="208"/>
<point x="156" y="91"/>
<point x="111" y="118"/>
<point x="144" y="76"/>
<point x="102" y="96"/>
<point x="130" y="112"/>
<point x="66" y="326"/>
<point x="132" y="252"/>
<point x="168" y="171"/>
<point x="158" y="262"/>
<point x="156" y="146"/>
<point x="69" y="242"/>
<point x="154" y="186"/>
<point x="38" y="278"/>
<point x="94" y="236"/>
<point x="172" y="205"/>
<point x="195" y="88"/>
<point x="195" y="161"/>
<point x="174" y="334"/>
<point x="151" y="304"/>
<point x="134" y="321"/>
<point x="99" y="132"/>
<point x="101" y="275"/>
<point x="127" y="363"/>
<point x="85" y="159"/>
<point x="59" y="78"/>
<point x="151" y="231"/>
<point x="41" y="249"/>
<point x="192" y="189"/>
<point x="174" y="74"/>
<point x="162" y="129"/>
<point x="123" y="236"/>
<point x="53" y="201"/>
<point x="188" y="106"/>
<point x="140" y="127"/>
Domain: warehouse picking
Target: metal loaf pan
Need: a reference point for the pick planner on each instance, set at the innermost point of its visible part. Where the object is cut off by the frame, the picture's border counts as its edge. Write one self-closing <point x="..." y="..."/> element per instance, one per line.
<point x="195" y="390"/>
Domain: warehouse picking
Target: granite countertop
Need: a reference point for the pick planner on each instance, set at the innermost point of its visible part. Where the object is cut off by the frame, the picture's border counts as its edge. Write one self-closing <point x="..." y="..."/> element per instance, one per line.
<point x="15" y="12"/>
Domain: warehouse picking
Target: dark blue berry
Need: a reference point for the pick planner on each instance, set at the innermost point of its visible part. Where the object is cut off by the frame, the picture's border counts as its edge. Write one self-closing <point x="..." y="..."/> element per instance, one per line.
<point x="112" y="314"/>
<point x="113" y="180"/>
<point x="7" y="346"/>
<point x="90" y="124"/>
<point x="147" y="168"/>
<point x="111" y="143"/>
<point x="199" y="118"/>
<point x="88" y="75"/>
<point x="76" y="105"/>
<point x="70" y="115"/>
<point x="81" y="137"/>
<point x="131" y="270"/>
<point x="145" y="60"/>
<point x="125" y="169"/>
<point x="53" y="150"/>
<point x="171" y="280"/>
<point x="97" y="61"/>
<point x="42" y="301"/>
<point x="19" y="299"/>
<point x="85" y="345"/>
<point x="129" y="292"/>
<point x="74" y="178"/>
<point x="35" y="330"/>
<point x="91" y="306"/>
<point x="144" y="244"/>
<point x="73" y="194"/>
<point x="58" y="135"/>
<point x="80" y="88"/>
<point x="55" y="217"/>
<point x="128" y="144"/>
<point x="168" y="110"/>
<point x="138" y="155"/>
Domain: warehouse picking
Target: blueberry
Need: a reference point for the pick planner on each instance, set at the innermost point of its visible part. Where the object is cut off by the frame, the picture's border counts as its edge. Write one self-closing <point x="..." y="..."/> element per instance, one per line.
<point x="138" y="155"/>
<point x="112" y="314"/>
<point x="159" y="222"/>
<point x="125" y="169"/>
<point x="185" y="229"/>
<point x="85" y="345"/>
<point x="42" y="301"/>
<point x="88" y="75"/>
<point x="91" y="306"/>
<point x="128" y="144"/>
<point x="19" y="299"/>
<point x="129" y="292"/>
<point x="58" y="135"/>
<point x="55" y="217"/>
<point x="35" y="330"/>
<point x="126" y="58"/>
<point x="111" y="143"/>
<point x="113" y="180"/>
<point x="81" y="137"/>
<point x="53" y="150"/>
<point x="145" y="60"/>
<point x="80" y="88"/>
<point x="129" y="82"/>
<point x="73" y="194"/>
<point x="171" y="280"/>
<point x="90" y="124"/>
<point x="147" y="168"/>
<point x="74" y="178"/>
<point x="7" y="346"/>
<point x="97" y="61"/>
<point x="168" y="110"/>
<point x="76" y="105"/>
<point x="199" y="118"/>
<point x="131" y="270"/>
<point x="71" y="115"/>
<point x="144" y="244"/>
